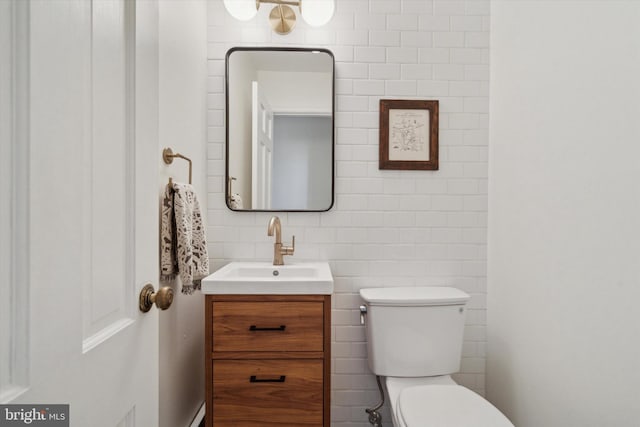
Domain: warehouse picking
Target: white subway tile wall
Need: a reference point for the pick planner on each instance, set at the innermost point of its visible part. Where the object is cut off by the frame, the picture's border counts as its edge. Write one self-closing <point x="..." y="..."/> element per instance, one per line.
<point x="386" y="228"/>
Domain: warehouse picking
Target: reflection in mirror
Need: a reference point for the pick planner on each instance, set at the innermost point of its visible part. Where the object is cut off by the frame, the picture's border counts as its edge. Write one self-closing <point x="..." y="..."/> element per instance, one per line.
<point x="280" y="119"/>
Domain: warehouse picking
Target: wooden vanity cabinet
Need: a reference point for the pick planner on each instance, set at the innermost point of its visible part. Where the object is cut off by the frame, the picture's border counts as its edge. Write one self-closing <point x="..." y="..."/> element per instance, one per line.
<point x="268" y="360"/>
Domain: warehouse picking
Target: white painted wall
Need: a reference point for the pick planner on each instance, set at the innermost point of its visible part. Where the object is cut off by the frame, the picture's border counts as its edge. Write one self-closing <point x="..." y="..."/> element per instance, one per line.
<point x="297" y="91"/>
<point x="564" y="240"/>
<point x="182" y="96"/>
<point x="240" y="112"/>
<point x="387" y="228"/>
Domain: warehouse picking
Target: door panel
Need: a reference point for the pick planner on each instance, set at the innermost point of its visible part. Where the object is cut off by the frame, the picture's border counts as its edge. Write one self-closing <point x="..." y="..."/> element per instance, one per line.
<point x="262" y="150"/>
<point x="14" y="184"/>
<point x="107" y="220"/>
<point x="92" y="202"/>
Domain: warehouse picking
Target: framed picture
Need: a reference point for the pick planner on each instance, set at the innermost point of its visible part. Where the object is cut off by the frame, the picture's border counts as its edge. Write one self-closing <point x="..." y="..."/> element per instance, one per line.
<point x="408" y="134"/>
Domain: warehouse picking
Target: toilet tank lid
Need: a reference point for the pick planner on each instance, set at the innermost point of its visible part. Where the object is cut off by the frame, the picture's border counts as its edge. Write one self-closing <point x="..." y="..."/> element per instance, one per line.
<point x="414" y="296"/>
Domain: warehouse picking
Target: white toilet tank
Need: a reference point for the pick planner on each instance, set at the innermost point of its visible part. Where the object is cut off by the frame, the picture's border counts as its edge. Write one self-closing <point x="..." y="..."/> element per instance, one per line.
<point x="414" y="331"/>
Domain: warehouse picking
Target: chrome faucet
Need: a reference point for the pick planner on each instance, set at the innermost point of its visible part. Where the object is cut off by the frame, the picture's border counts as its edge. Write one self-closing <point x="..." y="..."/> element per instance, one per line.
<point x="278" y="249"/>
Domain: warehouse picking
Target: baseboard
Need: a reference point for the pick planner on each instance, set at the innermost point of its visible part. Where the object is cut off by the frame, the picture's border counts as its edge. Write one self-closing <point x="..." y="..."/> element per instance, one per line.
<point x="198" y="420"/>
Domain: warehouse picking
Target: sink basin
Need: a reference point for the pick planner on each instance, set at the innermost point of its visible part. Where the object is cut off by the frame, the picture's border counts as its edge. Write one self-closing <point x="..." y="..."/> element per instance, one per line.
<point x="264" y="278"/>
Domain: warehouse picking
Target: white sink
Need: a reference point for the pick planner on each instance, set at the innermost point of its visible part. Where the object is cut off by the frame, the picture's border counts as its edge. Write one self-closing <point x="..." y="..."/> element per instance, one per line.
<point x="264" y="278"/>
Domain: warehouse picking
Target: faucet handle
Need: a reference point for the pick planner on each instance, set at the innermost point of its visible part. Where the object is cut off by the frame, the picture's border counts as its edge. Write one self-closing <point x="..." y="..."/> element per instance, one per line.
<point x="288" y="250"/>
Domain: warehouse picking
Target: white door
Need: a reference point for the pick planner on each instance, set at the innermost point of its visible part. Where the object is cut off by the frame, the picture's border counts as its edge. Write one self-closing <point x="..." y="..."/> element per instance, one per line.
<point x="83" y="223"/>
<point x="261" y="150"/>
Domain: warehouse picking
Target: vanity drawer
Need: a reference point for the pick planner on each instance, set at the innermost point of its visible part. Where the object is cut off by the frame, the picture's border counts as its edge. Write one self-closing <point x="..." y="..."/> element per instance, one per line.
<point x="267" y="326"/>
<point x="252" y="393"/>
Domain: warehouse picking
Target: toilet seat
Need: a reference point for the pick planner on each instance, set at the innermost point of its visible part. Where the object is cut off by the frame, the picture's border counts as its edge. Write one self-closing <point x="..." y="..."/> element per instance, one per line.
<point x="446" y="406"/>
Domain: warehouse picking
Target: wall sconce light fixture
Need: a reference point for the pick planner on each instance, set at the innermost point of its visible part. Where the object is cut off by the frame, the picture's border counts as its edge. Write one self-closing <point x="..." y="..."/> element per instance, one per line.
<point x="282" y="17"/>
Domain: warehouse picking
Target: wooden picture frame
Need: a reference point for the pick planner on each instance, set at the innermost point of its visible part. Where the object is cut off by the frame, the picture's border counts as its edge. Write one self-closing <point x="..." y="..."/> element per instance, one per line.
<point x="408" y="134"/>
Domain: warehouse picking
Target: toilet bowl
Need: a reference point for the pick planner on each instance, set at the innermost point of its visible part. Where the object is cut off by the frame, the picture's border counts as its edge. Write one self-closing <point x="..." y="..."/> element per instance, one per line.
<point x="414" y="341"/>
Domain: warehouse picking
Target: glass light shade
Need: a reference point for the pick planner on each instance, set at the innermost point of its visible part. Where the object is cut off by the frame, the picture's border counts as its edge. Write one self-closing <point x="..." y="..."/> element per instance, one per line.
<point x="242" y="10"/>
<point x="317" y="12"/>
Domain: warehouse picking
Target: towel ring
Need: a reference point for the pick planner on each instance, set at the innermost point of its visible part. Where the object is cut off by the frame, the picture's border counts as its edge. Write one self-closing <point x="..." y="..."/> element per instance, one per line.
<point x="168" y="155"/>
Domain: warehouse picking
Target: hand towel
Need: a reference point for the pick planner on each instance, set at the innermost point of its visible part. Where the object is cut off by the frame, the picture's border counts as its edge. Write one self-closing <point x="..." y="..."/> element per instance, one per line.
<point x="235" y="201"/>
<point x="183" y="241"/>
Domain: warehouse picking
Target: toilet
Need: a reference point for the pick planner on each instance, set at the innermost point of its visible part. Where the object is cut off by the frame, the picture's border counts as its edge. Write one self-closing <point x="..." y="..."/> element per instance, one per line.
<point x="414" y="340"/>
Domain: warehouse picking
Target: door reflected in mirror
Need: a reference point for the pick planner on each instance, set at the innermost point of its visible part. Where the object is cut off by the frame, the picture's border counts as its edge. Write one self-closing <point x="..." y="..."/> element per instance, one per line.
<point x="279" y="129"/>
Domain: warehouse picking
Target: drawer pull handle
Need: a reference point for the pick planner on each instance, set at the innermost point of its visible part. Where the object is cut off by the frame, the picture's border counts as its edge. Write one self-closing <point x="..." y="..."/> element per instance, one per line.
<point x="254" y="379"/>
<point x="279" y="328"/>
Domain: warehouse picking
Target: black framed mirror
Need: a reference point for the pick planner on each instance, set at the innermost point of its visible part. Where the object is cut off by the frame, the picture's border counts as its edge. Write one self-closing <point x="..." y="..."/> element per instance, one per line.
<point x="280" y="109"/>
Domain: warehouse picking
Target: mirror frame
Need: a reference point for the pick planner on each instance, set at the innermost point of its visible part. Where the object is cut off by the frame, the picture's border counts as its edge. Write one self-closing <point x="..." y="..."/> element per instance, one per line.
<point x="227" y="196"/>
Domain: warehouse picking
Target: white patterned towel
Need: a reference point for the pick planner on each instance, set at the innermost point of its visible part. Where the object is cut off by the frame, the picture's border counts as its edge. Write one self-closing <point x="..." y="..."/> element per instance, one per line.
<point x="183" y="245"/>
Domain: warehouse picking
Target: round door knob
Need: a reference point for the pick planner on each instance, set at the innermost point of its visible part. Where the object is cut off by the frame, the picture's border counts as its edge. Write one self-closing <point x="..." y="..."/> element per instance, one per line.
<point x="162" y="299"/>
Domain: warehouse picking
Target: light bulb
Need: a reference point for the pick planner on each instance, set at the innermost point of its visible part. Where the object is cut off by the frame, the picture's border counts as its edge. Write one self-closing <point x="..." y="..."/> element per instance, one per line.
<point x="242" y="10"/>
<point x="317" y="12"/>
